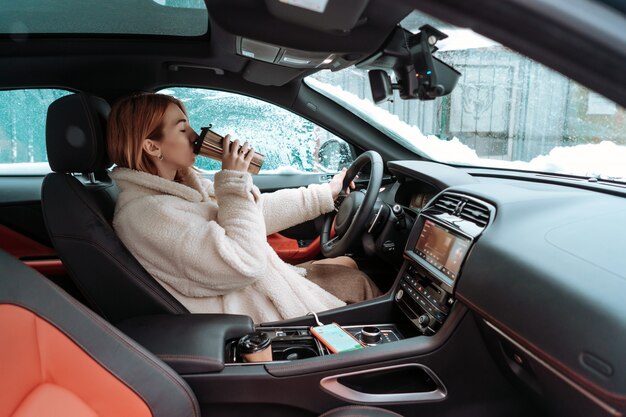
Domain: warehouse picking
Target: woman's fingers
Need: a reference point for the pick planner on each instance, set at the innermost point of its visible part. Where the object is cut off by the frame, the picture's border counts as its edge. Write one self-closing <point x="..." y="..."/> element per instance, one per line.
<point x="249" y="155"/>
<point x="244" y="150"/>
<point x="350" y="186"/>
<point x="234" y="147"/>
<point x="236" y="157"/>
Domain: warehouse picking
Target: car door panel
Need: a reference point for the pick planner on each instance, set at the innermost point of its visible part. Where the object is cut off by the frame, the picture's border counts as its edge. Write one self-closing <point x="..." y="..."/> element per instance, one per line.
<point x="23" y="247"/>
<point x="22" y="230"/>
<point x="290" y="251"/>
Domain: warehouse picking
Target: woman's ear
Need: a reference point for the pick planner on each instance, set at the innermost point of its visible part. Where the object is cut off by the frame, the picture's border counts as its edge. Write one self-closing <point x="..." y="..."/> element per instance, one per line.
<point x="151" y="147"/>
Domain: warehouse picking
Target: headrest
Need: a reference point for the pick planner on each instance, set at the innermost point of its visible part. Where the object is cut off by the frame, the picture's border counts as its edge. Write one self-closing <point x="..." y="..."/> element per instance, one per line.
<point x="76" y="134"/>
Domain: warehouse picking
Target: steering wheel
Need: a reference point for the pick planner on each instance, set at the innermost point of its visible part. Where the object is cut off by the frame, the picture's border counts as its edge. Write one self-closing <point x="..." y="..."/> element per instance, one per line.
<point x="352" y="210"/>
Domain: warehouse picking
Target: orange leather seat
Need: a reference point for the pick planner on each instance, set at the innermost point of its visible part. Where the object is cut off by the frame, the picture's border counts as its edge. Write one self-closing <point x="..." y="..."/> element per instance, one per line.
<point x="58" y="359"/>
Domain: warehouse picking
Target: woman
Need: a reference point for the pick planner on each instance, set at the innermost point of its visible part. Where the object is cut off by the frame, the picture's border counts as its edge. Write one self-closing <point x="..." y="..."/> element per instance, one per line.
<point x="204" y="241"/>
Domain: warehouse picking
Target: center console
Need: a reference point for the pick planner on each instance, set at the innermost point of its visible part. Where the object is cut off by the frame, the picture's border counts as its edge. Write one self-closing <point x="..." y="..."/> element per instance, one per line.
<point x="297" y="342"/>
<point x="441" y="239"/>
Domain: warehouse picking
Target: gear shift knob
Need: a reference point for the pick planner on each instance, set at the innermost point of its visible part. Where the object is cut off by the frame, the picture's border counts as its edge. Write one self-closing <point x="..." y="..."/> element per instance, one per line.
<point x="370" y="335"/>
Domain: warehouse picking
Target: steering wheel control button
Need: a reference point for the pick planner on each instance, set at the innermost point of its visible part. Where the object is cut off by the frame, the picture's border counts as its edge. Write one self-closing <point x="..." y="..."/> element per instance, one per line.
<point x="339" y="200"/>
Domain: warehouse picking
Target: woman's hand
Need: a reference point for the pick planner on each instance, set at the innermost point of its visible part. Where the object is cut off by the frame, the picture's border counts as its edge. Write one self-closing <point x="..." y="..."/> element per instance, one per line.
<point x="337" y="182"/>
<point x="234" y="158"/>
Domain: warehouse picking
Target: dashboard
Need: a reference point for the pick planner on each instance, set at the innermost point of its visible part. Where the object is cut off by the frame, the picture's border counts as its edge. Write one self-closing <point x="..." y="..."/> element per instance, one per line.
<point x="540" y="263"/>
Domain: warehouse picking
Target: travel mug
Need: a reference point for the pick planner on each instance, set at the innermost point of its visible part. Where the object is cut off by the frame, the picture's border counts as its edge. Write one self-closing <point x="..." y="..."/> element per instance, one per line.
<point x="209" y="144"/>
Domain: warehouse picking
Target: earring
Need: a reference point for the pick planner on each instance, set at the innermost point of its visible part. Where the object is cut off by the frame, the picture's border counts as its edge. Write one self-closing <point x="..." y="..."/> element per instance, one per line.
<point x="160" y="156"/>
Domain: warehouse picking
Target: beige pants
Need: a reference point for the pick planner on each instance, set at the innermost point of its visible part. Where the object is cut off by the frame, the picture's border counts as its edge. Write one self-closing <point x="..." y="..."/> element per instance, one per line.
<point x="341" y="278"/>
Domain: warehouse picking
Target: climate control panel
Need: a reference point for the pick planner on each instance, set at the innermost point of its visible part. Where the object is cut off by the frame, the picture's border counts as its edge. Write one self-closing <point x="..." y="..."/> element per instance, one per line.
<point x="421" y="300"/>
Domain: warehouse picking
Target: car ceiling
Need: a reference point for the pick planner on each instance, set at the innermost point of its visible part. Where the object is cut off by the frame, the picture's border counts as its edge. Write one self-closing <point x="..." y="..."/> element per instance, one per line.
<point x="130" y="62"/>
<point x="110" y="65"/>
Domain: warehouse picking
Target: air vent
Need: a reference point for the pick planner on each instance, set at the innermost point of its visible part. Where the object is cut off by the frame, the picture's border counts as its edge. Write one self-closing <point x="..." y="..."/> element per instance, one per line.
<point x="448" y="203"/>
<point x="464" y="208"/>
<point x="475" y="213"/>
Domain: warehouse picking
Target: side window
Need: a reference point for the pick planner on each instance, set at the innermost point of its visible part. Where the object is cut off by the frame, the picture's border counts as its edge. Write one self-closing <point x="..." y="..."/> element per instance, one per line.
<point x="288" y="141"/>
<point x="23" y="129"/>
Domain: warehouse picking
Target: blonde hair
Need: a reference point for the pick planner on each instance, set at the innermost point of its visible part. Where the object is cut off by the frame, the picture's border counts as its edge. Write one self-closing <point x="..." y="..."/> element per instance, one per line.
<point x="133" y="119"/>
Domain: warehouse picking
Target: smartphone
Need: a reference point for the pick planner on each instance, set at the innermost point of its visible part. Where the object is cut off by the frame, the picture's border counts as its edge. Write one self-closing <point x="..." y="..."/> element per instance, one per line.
<point x="335" y="338"/>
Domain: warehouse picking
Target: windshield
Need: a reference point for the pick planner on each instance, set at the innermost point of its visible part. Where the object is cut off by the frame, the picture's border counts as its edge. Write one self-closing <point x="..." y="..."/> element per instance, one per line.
<point x="506" y="111"/>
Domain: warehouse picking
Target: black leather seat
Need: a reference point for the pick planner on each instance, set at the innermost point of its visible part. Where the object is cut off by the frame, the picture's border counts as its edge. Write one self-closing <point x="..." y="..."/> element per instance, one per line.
<point x="58" y="358"/>
<point x="78" y="200"/>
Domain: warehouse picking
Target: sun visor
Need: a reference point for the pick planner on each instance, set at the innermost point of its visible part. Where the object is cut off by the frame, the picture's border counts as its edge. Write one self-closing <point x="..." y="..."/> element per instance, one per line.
<point x="325" y="15"/>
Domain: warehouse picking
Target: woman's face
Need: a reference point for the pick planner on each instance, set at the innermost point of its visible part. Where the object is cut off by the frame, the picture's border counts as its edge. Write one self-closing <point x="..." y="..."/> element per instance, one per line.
<point x="178" y="136"/>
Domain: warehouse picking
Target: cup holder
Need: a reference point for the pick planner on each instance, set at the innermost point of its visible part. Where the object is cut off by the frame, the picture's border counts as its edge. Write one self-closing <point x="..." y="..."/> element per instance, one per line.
<point x="296" y="352"/>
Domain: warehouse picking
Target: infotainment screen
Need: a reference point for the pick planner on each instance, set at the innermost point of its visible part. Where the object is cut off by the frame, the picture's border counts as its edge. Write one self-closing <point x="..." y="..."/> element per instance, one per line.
<point x="442" y="249"/>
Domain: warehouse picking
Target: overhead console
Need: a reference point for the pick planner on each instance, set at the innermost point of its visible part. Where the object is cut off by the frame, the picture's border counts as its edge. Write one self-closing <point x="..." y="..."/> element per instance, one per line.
<point x="438" y="245"/>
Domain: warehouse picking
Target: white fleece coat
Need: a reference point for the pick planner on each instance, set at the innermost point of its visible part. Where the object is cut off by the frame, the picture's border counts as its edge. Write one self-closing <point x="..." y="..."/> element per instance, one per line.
<point x="206" y="242"/>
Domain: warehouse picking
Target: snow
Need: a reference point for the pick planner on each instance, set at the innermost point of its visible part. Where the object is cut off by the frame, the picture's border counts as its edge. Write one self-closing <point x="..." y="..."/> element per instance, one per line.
<point x="25" y="168"/>
<point x="463" y="39"/>
<point x="603" y="160"/>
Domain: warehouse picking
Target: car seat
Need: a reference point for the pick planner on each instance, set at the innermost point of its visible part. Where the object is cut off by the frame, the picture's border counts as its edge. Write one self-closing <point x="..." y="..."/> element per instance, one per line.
<point x="78" y="200"/>
<point x="58" y="358"/>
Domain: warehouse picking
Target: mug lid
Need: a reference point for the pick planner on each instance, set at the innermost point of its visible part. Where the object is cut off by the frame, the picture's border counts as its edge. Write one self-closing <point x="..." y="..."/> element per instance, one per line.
<point x="253" y="342"/>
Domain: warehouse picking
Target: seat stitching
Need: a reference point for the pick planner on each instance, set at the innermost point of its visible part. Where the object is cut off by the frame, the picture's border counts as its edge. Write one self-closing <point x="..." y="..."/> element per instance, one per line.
<point x="24" y="399"/>
<point x="41" y="365"/>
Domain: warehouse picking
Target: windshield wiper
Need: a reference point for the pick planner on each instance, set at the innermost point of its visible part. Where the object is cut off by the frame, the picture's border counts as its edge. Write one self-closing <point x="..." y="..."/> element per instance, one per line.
<point x="609" y="180"/>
